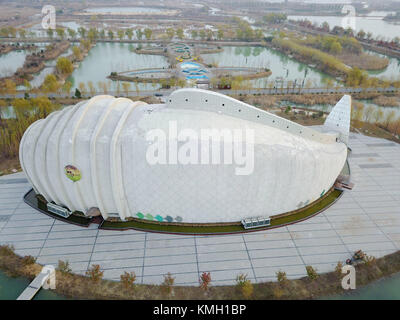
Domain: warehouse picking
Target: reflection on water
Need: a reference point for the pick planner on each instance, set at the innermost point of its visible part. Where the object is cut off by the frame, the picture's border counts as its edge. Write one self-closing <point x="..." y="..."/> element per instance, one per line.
<point x="10" y="62"/>
<point x="39" y="77"/>
<point x="105" y="58"/>
<point x="283" y="67"/>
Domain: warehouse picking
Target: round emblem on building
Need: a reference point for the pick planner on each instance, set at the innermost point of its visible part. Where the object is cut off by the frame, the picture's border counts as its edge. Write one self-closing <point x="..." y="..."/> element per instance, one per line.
<point x="72" y="173"/>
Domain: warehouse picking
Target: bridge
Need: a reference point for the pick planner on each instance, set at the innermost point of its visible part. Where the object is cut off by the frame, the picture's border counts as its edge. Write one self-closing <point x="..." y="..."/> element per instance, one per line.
<point x="47" y="274"/>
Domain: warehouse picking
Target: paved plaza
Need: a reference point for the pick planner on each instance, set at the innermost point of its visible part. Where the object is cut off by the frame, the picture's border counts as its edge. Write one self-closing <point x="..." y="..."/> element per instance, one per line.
<point x="367" y="218"/>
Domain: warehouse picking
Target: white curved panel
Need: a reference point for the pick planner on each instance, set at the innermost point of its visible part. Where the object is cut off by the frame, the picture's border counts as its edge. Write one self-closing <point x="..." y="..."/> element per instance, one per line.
<point x="197" y="99"/>
<point x="54" y="165"/>
<point x="39" y="156"/>
<point x="98" y="157"/>
<point x="28" y="153"/>
<point x="105" y="138"/>
<point x="116" y="164"/>
<point x="339" y="118"/>
<point x="103" y="158"/>
<point x="82" y="136"/>
<point x="23" y="156"/>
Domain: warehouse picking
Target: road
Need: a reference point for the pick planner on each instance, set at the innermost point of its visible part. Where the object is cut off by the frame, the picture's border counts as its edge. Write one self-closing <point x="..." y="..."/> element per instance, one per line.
<point x="265" y="91"/>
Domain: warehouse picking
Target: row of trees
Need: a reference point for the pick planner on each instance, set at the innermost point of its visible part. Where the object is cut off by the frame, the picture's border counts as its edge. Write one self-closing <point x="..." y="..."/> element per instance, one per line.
<point x="275" y="18"/>
<point x="335" y="45"/>
<point x="25" y="112"/>
<point x="349" y="32"/>
<point x="8" y="32"/>
<point x="387" y="120"/>
<point x="93" y="34"/>
<point x="328" y="62"/>
<point x="243" y="32"/>
<point x="321" y="50"/>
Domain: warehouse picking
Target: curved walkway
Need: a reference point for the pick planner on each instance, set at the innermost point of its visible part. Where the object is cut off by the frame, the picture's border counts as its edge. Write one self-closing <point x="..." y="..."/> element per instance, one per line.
<point x="367" y="218"/>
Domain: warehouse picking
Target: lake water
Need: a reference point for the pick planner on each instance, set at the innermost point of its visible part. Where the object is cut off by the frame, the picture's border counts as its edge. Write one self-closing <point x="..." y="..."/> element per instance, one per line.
<point x="391" y="72"/>
<point x="11" y="288"/>
<point x="374" y="24"/>
<point x="10" y="62"/>
<point x="105" y="58"/>
<point x="385" y="289"/>
<point x="282" y="66"/>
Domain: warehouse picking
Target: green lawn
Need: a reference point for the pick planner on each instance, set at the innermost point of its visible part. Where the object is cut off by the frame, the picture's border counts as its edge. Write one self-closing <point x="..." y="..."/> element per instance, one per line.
<point x="30" y="198"/>
<point x="317" y="207"/>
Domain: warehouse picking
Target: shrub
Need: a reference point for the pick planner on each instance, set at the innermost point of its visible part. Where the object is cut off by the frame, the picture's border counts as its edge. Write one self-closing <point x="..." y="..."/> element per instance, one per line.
<point x="241" y="279"/>
<point x="205" y="280"/>
<point x="311" y="273"/>
<point x="338" y="268"/>
<point x="28" y="260"/>
<point x="78" y="93"/>
<point x="63" y="267"/>
<point x="64" y="65"/>
<point x="247" y="289"/>
<point x="278" y="292"/>
<point x="369" y="260"/>
<point x="95" y="273"/>
<point x="245" y="285"/>
<point x="166" y="286"/>
<point x="7" y="250"/>
<point x="281" y="277"/>
<point x="128" y="280"/>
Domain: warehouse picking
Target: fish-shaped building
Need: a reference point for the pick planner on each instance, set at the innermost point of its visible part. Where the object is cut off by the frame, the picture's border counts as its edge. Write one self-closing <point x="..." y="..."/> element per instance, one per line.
<point x="202" y="157"/>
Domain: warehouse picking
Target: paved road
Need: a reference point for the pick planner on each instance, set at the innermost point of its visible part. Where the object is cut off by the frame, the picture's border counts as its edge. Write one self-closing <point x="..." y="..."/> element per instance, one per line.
<point x="367" y="218"/>
<point x="266" y="91"/>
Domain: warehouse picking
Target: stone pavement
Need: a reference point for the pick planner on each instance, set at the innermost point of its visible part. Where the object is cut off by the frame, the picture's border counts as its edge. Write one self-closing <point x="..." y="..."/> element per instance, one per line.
<point x="367" y="218"/>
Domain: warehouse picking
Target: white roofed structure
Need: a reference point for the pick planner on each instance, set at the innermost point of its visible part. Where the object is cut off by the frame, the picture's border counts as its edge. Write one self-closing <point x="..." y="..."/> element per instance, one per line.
<point x="96" y="155"/>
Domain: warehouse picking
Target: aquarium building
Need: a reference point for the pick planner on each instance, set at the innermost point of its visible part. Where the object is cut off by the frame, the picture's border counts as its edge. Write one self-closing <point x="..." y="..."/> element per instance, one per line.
<point x="122" y="159"/>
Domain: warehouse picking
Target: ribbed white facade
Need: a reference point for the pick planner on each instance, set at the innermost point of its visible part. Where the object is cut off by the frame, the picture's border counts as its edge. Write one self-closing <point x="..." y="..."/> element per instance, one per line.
<point x="105" y="139"/>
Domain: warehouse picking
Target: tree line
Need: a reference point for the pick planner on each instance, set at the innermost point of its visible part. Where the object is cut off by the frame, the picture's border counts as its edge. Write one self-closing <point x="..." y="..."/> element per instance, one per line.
<point x="22" y="113"/>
